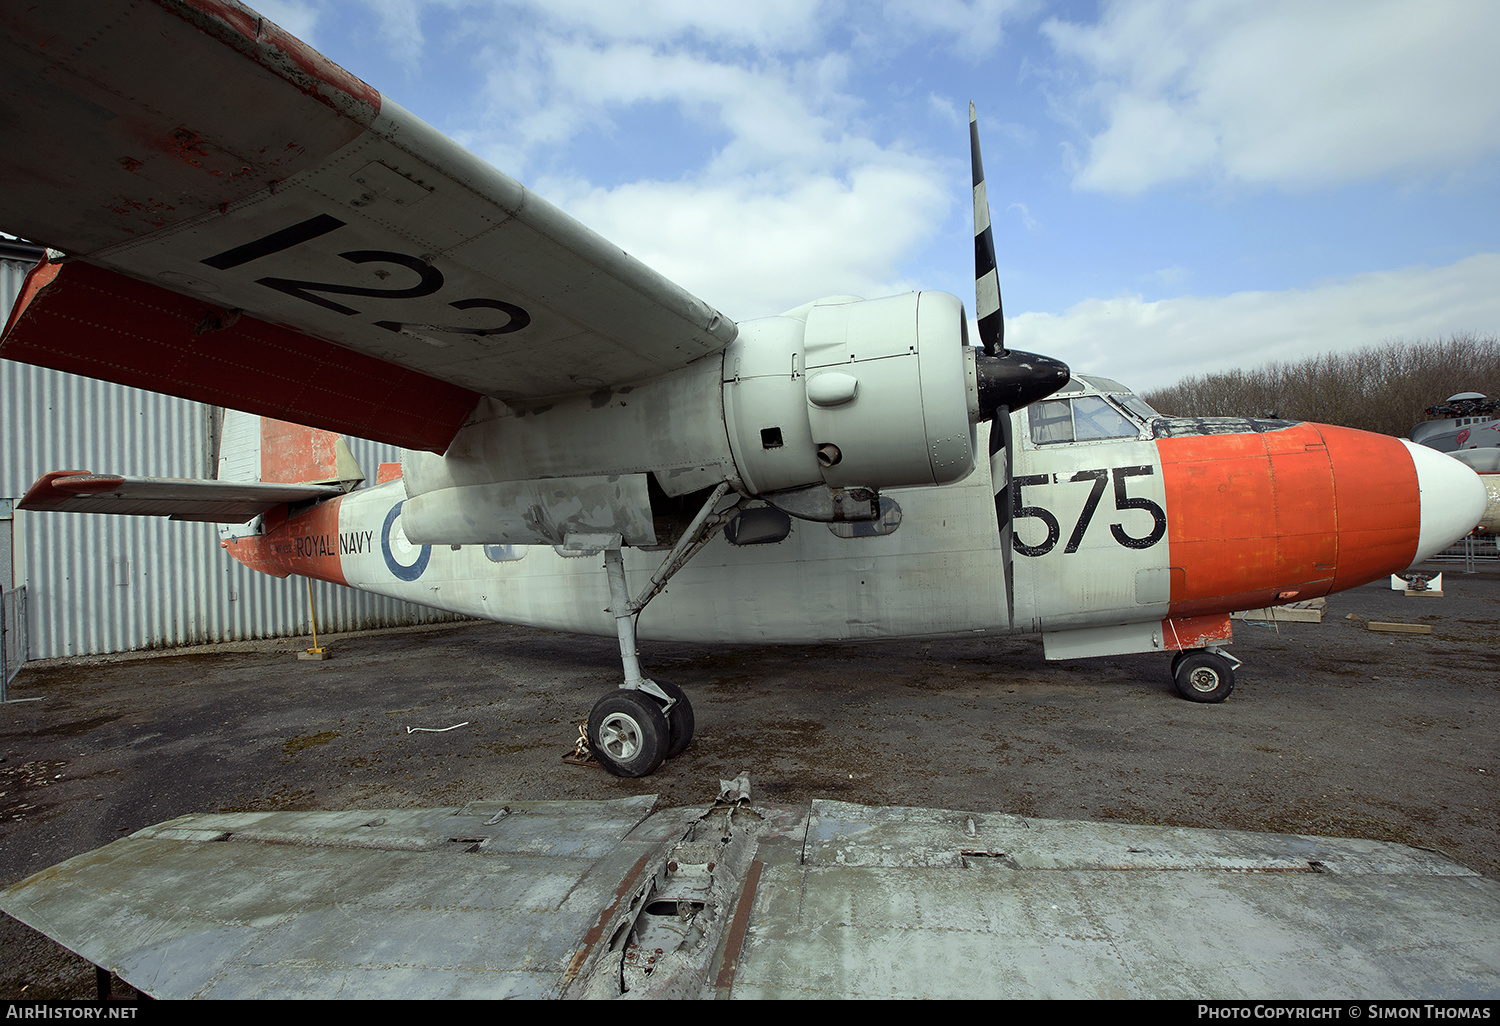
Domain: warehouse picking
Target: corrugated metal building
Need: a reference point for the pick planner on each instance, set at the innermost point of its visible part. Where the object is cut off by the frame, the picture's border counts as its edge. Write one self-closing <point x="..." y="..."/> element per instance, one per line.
<point x="98" y="584"/>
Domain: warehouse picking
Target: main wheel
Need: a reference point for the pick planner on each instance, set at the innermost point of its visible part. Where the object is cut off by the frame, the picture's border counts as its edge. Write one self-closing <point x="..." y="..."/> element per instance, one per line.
<point x="628" y="733"/>
<point x="679" y="718"/>
<point x="1203" y="676"/>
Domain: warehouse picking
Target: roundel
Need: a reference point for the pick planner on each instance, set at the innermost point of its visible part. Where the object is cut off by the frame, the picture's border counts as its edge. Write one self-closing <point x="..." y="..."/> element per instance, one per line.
<point x="403" y="571"/>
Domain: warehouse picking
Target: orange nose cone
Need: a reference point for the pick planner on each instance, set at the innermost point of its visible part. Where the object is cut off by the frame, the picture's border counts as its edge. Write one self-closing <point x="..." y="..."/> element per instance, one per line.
<point x="1379" y="505"/>
<point x="1262" y="518"/>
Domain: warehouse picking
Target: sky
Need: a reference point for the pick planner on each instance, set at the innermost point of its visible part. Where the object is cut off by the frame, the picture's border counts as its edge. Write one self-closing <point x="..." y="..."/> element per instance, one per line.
<point x="1177" y="187"/>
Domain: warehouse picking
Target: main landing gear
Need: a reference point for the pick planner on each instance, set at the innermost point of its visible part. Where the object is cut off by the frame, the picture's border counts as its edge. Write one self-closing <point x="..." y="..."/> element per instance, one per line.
<point x="637" y="727"/>
<point x="1204" y="674"/>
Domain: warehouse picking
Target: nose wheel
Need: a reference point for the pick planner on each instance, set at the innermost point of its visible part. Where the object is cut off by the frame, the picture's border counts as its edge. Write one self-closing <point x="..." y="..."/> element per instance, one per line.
<point x="1204" y="675"/>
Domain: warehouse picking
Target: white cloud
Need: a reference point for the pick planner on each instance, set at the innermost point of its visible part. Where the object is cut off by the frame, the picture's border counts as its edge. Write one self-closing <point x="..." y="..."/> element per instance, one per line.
<point x="1283" y="92"/>
<point x="976" y="26"/>
<point x="1151" y="345"/>
<point x="796" y="202"/>
<point x="300" y="19"/>
<point x="752" y="250"/>
<point x="400" y="23"/>
<point x="764" y="24"/>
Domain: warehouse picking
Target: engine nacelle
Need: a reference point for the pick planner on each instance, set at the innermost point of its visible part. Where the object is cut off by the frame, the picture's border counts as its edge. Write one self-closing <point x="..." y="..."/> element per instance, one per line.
<point x="831" y="402"/>
<point x="845" y="392"/>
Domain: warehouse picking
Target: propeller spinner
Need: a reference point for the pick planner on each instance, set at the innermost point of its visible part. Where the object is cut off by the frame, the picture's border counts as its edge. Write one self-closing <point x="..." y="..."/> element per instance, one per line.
<point x="1008" y="378"/>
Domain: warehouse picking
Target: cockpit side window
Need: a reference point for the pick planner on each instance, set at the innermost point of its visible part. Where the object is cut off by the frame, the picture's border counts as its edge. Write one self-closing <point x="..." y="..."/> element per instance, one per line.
<point x="1086" y="418"/>
<point x="1051" y="422"/>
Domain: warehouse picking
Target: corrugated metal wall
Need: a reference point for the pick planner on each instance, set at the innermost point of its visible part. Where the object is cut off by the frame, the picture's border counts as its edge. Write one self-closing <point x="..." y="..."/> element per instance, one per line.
<point x="110" y="584"/>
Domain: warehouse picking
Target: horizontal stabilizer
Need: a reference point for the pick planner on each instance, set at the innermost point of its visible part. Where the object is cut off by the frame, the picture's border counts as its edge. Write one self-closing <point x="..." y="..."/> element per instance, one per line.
<point x="213" y="502"/>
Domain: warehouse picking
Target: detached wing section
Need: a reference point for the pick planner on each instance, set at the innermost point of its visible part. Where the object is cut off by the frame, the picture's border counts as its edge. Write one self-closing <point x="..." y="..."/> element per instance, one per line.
<point x="214" y="502"/>
<point x="260" y="229"/>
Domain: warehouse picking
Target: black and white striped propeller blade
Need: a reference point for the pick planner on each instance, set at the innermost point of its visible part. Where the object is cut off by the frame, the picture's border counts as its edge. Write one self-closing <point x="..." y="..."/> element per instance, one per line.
<point x="986" y="278"/>
<point x="1008" y="379"/>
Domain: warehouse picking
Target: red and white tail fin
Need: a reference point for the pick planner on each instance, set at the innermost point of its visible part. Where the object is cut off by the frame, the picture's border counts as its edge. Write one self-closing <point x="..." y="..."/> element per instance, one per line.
<point x="274" y="451"/>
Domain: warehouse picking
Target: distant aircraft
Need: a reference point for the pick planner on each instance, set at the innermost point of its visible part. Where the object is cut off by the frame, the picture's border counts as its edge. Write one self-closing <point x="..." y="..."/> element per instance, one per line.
<point x="1467" y="427"/>
<point x="283" y="240"/>
<point x="1468" y="420"/>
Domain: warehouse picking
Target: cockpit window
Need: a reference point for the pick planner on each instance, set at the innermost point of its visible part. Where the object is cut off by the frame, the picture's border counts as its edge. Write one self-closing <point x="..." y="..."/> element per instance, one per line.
<point x="1094" y="417"/>
<point x="1086" y="418"/>
<point x="1136" y="405"/>
<point x="1103" y="384"/>
<point x="1051" y="421"/>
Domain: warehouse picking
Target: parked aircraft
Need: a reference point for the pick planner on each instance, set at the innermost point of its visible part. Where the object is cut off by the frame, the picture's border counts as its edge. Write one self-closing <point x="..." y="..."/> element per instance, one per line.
<point x="1467" y="427"/>
<point x="290" y="243"/>
<point x="1468" y="420"/>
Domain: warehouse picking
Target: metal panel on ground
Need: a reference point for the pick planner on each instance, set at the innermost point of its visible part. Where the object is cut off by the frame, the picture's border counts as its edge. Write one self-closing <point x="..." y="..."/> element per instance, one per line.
<point x="109" y="584"/>
<point x="826" y="899"/>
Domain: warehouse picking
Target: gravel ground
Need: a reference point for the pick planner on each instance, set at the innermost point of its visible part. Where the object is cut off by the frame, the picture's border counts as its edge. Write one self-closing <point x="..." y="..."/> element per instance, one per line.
<point x="1332" y="729"/>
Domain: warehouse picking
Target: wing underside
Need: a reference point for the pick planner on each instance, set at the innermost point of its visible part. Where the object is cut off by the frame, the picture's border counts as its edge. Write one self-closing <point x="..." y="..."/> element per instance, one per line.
<point x="287" y="213"/>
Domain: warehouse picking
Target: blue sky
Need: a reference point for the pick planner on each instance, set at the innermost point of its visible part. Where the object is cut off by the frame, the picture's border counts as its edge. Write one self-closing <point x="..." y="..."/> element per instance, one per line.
<point x="1176" y="187"/>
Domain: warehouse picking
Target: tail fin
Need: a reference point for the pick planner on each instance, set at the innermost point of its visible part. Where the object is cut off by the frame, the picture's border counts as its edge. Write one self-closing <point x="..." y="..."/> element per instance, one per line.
<point x="273" y="451"/>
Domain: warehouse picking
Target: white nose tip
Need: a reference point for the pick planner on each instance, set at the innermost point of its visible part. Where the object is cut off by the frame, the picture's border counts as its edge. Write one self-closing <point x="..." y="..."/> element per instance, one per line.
<point x="1453" y="499"/>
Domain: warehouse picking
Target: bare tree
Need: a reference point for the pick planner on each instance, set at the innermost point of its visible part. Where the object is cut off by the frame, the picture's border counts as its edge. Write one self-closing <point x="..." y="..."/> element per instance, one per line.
<point x="1382" y="388"/>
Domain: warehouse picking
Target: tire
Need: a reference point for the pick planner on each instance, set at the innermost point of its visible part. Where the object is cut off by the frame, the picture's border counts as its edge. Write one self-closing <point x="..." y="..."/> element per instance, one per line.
<point x="1204" y="677"/>
<point x="680" y="721"/>
<point x="628" y="734"/>
<point x="1177" y="660"/>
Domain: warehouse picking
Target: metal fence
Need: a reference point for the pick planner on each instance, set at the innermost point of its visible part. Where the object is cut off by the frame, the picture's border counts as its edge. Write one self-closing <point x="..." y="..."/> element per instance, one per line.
<point x="12" y="635"/>
<point x="1472" y="551"/>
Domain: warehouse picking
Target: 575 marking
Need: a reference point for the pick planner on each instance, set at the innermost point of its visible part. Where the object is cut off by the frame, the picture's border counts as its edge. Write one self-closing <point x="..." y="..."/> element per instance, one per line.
<point x="1090" y="505"/>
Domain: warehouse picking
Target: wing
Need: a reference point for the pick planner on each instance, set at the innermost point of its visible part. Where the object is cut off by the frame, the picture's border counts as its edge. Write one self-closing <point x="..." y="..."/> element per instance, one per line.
<point x="250" y="225"/>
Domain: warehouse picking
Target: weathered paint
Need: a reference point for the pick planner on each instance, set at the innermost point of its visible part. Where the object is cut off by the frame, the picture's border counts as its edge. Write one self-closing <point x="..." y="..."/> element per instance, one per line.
<point x="834" y="900"/>
<point x="1196" y="631"/>
<point x="1277" y="516"/>
<point x="211" y="192"/>
<point x="941" y="572"/>
<point x="308" y="543"/>
<point x="293" y="453"/>
<point x="282" y="54"/>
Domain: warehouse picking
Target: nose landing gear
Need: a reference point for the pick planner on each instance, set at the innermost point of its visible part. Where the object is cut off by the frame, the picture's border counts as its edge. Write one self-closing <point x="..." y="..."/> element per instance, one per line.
<point x="1204" y="674"/>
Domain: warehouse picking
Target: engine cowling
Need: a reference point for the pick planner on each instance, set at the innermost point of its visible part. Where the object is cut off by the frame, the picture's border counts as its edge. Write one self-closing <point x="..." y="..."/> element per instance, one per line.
<point x="815" y="410"/>
<point x="845" y="392"/>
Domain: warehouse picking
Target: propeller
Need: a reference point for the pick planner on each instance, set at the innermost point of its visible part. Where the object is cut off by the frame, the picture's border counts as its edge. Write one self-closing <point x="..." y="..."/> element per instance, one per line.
<point x="1008" y="378"/>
